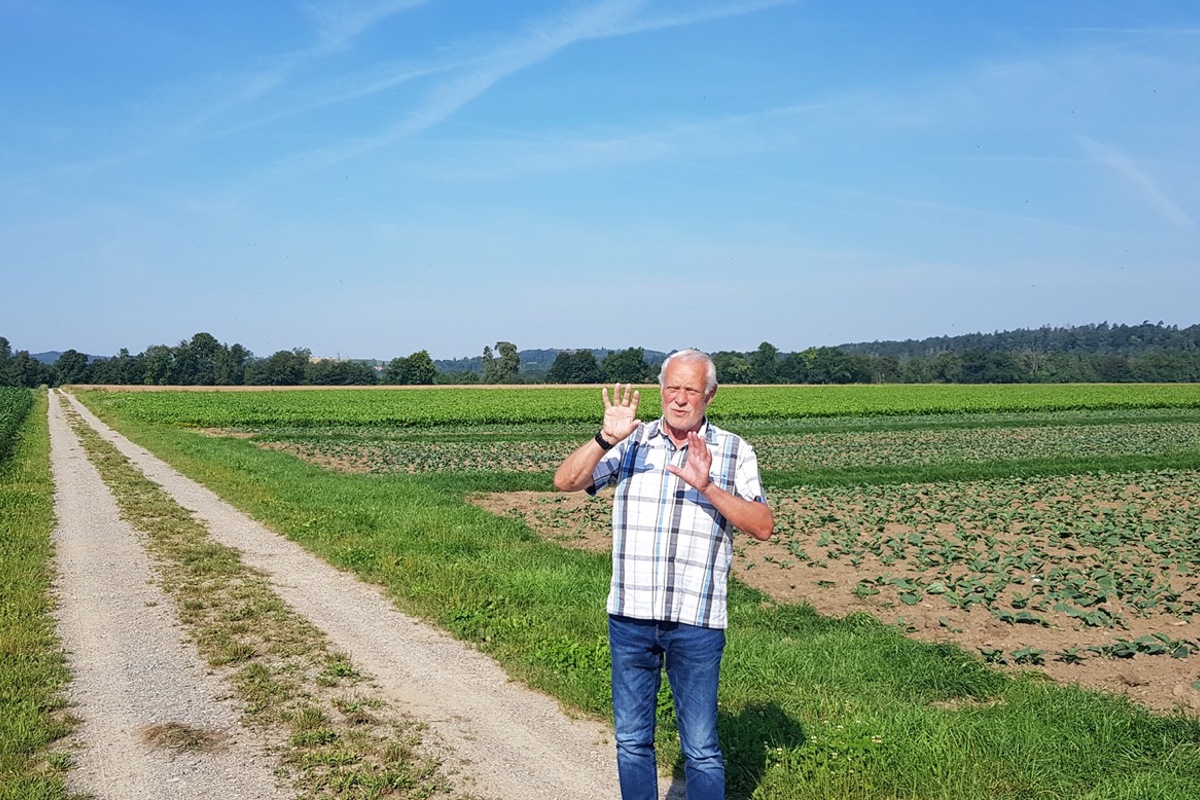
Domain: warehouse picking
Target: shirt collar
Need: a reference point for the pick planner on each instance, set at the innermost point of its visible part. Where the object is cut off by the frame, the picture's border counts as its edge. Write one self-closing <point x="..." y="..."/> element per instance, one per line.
<point x="657" y="429"/>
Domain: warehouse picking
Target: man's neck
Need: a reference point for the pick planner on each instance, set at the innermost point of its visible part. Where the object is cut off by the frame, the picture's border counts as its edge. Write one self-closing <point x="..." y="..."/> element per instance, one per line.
<point x="677" y="436"/>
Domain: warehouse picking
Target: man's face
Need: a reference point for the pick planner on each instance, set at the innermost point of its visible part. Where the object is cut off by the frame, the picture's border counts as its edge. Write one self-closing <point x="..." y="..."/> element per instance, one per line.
<point x="683" y="398"/>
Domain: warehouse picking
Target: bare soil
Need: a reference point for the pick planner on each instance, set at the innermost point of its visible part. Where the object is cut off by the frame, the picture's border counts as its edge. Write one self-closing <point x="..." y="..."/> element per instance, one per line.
<point x="1159" y="682"/>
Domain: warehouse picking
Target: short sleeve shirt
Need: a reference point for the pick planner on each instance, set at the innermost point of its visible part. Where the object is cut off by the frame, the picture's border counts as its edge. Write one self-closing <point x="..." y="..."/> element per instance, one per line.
<point x="672" y="549"/>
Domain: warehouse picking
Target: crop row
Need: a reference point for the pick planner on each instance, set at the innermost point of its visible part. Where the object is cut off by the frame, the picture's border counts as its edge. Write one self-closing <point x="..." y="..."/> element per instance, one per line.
<point x="14" y="405"/>
<point x="936" y="446"/>
<point x="507" y="405"/>
<point x="384" y="452"/>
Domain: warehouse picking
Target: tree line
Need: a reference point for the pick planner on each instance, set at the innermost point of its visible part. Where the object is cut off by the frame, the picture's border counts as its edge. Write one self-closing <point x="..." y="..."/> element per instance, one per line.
<point x="1094" y="353"/>
<point x="204" y="361"/>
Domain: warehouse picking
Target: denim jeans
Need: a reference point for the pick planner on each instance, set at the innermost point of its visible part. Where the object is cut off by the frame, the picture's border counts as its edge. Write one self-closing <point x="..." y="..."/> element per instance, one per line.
<point x="692" y="656"/>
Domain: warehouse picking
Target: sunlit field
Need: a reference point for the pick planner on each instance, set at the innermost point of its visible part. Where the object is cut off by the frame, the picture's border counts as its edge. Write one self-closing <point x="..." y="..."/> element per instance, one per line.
<point x="961" y="541"/>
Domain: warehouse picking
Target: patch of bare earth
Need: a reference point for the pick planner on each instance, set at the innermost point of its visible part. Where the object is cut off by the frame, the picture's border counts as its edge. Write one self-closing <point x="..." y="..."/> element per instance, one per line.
<point x="1159" y="682"/>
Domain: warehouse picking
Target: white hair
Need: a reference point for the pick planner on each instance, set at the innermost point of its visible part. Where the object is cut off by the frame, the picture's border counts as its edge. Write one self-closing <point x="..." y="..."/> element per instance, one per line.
<point x="692" y="357"/>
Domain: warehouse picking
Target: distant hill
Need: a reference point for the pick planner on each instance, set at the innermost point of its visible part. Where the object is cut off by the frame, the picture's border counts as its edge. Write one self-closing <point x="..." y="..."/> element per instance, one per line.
<point x="533" y="362"/>
<point x="1102" y="339"/>
<point x="53" y="355"/>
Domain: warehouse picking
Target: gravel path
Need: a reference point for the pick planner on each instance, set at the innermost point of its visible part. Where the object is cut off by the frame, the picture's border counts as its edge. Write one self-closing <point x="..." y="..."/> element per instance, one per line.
<point x="131" y="669"/>
<point x="510" y="742"/>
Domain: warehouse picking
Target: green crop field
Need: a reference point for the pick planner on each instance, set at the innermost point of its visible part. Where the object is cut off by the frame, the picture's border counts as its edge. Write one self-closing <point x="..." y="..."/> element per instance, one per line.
<point x="14" y="405"/>
<point x="1012" y="532"/>
<point x="440" y="406"/>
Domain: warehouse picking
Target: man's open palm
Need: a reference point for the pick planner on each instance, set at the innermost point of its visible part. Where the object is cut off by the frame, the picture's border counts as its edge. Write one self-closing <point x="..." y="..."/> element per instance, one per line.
<point x="696" y="468"/>
<point x="620" y="413"/>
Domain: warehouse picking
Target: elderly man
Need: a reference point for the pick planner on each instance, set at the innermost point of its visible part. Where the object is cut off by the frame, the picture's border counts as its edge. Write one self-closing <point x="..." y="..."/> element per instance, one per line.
<point x="682" y="485"/>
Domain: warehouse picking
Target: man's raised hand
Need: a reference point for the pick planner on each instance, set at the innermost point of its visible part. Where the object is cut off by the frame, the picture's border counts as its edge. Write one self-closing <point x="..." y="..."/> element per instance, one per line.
<point x="695" y="470"/>
<point x="620" y="413"/>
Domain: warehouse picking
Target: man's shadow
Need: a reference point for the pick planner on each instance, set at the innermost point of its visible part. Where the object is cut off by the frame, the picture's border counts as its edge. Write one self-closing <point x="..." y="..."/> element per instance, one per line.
<point x="746" y="738"/>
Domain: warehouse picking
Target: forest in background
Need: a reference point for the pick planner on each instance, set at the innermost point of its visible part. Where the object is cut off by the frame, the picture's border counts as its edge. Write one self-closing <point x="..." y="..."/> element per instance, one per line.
<point x="1105" y="353"/>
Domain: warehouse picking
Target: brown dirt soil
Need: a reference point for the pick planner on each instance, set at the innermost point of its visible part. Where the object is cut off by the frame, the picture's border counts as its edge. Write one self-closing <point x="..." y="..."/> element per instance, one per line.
<point x="1158" y="682"/>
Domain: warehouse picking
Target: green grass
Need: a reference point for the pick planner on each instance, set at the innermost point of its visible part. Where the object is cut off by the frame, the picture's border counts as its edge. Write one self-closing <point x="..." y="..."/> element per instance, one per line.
<point x="341" y="740"/>
<point x="811" y="707"/>
<point x="33" y="675"/>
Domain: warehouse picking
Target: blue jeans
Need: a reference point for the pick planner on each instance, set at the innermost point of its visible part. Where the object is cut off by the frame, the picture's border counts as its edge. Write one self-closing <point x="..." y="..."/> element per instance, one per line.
<point x="693" y="660"/>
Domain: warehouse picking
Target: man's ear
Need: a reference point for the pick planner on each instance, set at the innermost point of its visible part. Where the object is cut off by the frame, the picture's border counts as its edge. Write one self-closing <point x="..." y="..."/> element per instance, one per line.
<point x="708" y="399"/>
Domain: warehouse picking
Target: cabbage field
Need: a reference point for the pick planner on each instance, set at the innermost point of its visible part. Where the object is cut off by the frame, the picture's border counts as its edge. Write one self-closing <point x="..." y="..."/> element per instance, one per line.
<point x="1070" y="514"/>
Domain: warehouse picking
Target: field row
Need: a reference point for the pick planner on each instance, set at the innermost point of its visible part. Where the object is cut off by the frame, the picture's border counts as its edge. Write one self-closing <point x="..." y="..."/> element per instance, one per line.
<point x="14" y="405"/>
<point x="491" y="405"/>
<point x="501" y="450"/>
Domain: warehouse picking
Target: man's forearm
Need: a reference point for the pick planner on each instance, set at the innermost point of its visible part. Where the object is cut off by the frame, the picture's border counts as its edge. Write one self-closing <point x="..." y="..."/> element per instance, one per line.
<point x="575" y="473"/>
<point x="748" y="516"/>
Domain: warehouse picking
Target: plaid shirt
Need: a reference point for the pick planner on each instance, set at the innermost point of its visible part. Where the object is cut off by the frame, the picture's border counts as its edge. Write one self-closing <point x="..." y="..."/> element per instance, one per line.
<point x="671" y="548"/>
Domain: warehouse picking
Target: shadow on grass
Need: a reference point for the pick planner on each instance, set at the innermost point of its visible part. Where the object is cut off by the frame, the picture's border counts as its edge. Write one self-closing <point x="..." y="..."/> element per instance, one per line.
<point x="747" y="737"/>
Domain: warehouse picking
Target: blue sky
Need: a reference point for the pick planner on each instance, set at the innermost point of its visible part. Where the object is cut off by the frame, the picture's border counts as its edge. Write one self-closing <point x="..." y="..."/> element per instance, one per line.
<point x="371" y="178"/>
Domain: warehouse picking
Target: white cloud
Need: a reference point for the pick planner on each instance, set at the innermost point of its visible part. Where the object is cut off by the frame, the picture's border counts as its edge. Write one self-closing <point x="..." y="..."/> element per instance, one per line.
<point x="1142" y="183"/>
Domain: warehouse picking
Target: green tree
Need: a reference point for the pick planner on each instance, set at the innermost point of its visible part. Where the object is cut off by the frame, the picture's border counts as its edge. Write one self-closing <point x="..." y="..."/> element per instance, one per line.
<point x="885" y="369"/>
<point x="120" y="370"/>
<point x="22" y="369"/>
<point x="421" y="369"/>
<point x="72" y="367"/>
<point x="1167" y="366"/>
<point x="502" y="368"/>
<point x="156" y="365"/>
<point x="793" y="369"/>
<point x="415" y="370"/>
<point x="7" y="377"/>
<point x="764" y="364"/>
<point x="946" y="367"/>
<point x="230" y="366"/>
<point x="332" y="372"/>
<point x="282" y="368"/>
<point x="395" y="373"/>
<point x="457" y="378"/>
<point x="627" y="366"/>
<point x="732" y="367"/>
<point x="1113" y="369"/>
<point x="574" y="366"/>
<point x="196" y="361"/>
<point x="982" y="366"/>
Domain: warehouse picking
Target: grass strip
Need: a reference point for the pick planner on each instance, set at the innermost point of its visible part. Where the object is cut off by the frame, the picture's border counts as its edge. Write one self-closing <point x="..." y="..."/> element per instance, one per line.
<point x="33" y="674"/>
<point x="340" y="741"/>
<point x="811" y="707"/>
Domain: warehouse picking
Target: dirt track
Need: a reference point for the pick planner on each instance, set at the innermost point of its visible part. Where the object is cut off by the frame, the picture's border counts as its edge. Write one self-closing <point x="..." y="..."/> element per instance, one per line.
<point x="132" y="670"/>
